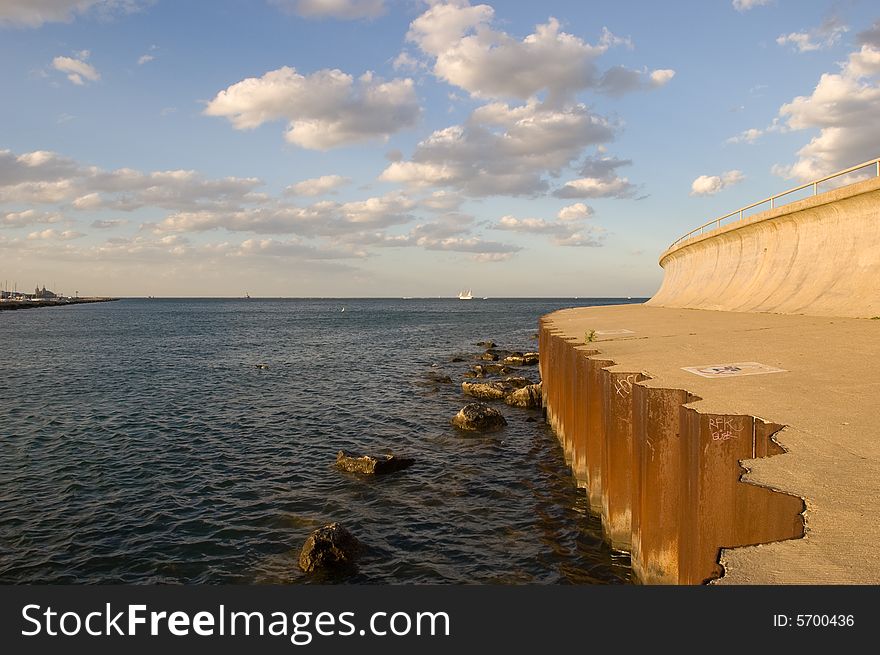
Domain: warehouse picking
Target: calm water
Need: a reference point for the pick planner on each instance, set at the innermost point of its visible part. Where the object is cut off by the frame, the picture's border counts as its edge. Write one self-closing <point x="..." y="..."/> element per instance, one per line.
<point x="141" y="444"/>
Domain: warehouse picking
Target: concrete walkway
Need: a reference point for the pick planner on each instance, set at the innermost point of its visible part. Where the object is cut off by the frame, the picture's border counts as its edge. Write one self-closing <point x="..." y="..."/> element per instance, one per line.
<point x="828" y="397"/>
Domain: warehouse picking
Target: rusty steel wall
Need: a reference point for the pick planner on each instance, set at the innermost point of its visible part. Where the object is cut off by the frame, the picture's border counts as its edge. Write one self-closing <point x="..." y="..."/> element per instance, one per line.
<point x="665" y="478"/>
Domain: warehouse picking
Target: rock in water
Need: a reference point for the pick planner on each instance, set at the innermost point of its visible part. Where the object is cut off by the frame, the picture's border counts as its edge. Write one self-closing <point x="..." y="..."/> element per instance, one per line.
<point x="530" y="359"/>
<point x="262" y="366"/>
<point x="371" y="465"/>
<point x="495" y="390"/>
<point x="331" y="546"/>
<point x="486" y="344"/>
<point x="484" y="390"/>
<point x="478" y="417"/>
<point x="528" y="397"/>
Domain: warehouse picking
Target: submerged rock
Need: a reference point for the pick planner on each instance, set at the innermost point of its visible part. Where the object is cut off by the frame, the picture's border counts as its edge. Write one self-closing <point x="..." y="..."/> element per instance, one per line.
<point x="261" y="366"/>
<point x="330" y="546"/>
<point x="529" y="396"/>
<point x="479" y="417"/>
<point x="438" y="378"/>
<point x="489" y="356"/>
<point x="486" y="344"/>
<point x="371" y="465"/>
<point x="482" y="370"/>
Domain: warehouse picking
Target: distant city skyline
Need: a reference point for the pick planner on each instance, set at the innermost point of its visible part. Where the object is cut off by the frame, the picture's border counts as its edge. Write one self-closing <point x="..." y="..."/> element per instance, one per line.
<point x="362" y="148"/>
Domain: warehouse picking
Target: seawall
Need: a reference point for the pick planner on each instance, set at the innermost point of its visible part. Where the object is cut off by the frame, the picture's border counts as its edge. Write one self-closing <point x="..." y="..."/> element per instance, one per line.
<point x="769" y="478"/>
<point x="815" y="256"/>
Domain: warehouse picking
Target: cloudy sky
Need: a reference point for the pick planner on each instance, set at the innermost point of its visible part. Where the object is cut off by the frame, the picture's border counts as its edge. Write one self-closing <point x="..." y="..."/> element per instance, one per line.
<point x="409" y="148"/>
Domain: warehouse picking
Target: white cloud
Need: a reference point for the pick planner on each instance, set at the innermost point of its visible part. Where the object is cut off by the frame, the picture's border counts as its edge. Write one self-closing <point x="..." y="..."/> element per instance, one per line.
<point x="29" y="217"/>
<point x="844" y="107"/>
<point x="489" y="63"/>
<point x="295" y="248"/>
<point x="826" y="35"/>
<point x="54" y="235"/>
<point x="77" y="70"/>
<point x="317" y="186"/>
<point x="599" y="179"/>
<point x="34" y="13"/>
<point x="709" y="185"/>
<point x="324" y="110"/>
<point x="145" y="59"/>
<point x="745" y="5"/>
<point x="341" y="9"/>
<point x="564" y="232"/>
<point x="576" y="212"/>
<point x="746" y="136"/>
<point x="502" y="149"/>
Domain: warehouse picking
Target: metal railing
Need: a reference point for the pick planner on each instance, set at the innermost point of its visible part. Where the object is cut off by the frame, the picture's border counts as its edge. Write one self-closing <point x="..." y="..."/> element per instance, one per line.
<point x="715" y="223"/>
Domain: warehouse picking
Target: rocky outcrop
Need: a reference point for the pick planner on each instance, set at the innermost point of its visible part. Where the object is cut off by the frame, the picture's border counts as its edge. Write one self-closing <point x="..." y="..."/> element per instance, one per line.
<point x="479" y="417"/>
<point x="528" y="397"/>
<point x="330" y="546"/>
<point x="371" y="465"/>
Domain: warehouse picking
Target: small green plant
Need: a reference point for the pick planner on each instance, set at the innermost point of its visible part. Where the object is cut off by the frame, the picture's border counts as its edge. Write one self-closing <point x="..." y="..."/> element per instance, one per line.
<point x="589" y="336"/>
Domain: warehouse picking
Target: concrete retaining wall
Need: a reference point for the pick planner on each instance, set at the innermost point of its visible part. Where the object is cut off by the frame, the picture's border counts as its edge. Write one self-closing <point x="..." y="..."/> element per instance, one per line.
<point x="818" y="256"/>
<point x="664" y="477"/>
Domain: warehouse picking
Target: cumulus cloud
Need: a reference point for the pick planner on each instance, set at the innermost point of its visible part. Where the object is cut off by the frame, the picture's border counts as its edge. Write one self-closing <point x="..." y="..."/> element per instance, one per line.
<point x="502" y="149"/>
<point x="576" y="212"/>
<point x="599" y="179"/>
<point x="317" y="186"/>
<point x="489" y="63"/>
<point x="746" y="136"/>
<point x="564" y="232"/>
<point x="34" y="13"/>
<point x="145" y="59"/>
<point x="325" y="109"/>
<point x="844" y="107"/>
<point x="341" y="9"/>
<point x="826" y="35"/>
<point x="745" y="5"/>
<point x="709" y="185"/>
<point x="77" y="69"/>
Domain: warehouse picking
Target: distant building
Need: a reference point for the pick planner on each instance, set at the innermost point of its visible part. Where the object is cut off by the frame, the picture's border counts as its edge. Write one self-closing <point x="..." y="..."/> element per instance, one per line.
<point x="43" y="294"/>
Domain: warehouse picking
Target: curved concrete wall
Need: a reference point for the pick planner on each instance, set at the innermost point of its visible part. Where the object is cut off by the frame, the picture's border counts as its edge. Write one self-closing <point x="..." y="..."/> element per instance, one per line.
<point x="818" y="256"/>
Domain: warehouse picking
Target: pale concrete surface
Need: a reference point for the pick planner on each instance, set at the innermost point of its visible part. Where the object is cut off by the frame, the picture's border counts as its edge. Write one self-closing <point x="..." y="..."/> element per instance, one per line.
<point x="828" y="398"/>
<point x="817" y="256"/>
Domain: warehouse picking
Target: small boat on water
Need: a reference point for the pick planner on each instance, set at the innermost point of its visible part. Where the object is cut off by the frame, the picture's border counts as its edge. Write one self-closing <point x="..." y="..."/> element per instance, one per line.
<point x="465" y="295"/>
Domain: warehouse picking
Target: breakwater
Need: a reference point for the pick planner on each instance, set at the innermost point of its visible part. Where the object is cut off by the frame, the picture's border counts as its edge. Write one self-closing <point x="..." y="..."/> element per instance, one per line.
<point x="664" y="476"/>
<point x="34" y="304"/>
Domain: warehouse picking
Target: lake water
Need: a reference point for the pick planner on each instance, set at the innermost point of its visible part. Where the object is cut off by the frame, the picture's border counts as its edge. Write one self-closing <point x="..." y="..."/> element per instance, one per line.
<point x="141" y="444"/>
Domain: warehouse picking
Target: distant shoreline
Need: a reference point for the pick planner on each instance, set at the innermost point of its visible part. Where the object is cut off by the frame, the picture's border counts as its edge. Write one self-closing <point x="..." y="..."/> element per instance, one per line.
<point x="35" y="304"/>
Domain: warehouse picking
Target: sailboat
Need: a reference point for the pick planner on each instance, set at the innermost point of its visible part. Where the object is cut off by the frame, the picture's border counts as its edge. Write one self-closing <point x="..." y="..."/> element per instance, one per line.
<point x="465" y="295"/>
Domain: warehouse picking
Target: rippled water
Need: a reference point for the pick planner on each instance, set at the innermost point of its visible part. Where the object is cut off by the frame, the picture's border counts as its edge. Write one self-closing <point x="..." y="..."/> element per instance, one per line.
<point x="140" y="444"/>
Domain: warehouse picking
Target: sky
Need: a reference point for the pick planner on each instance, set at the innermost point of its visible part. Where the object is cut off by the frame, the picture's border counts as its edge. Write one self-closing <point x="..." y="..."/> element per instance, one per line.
<point x="387" y="148"/>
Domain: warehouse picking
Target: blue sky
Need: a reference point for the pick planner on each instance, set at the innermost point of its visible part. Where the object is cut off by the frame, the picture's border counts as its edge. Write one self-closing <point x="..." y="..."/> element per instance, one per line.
<point x="408" y="148"/>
